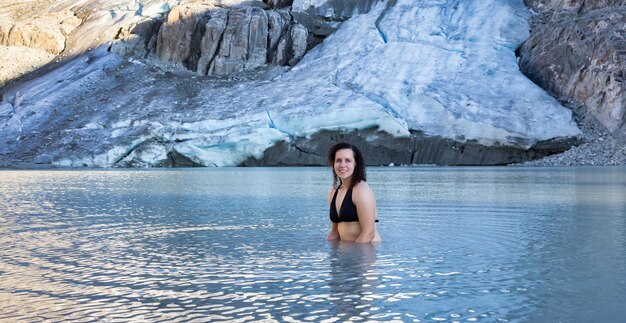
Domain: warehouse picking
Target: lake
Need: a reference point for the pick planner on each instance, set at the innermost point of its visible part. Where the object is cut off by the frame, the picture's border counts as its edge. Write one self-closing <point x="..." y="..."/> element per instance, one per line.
<point x="460" y="244"/>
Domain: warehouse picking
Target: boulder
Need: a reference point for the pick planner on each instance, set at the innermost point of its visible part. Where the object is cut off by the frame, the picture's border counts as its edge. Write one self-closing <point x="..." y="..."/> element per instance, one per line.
<point x="47" y="32"/>
<point x="137" y="40"/>
<point x="580" y="56"/>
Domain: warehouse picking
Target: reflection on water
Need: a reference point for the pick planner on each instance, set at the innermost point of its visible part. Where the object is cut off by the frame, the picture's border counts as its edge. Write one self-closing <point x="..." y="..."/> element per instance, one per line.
<point x="353" y="278"/>
<point x="460" y="244"/>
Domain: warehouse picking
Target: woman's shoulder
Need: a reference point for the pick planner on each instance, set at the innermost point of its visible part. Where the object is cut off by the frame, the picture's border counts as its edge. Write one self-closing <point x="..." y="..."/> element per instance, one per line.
<point x="331" y="191"/>
<point x="362" y="193"/>
<point x="362" y="187"/>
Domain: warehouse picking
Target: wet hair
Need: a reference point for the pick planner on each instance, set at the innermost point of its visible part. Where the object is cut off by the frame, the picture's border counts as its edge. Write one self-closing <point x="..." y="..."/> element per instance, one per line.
<point x="359" y="168"/>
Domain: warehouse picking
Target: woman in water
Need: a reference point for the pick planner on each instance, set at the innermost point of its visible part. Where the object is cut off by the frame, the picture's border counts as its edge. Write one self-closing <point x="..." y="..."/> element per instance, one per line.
<point x="352" y="202"/>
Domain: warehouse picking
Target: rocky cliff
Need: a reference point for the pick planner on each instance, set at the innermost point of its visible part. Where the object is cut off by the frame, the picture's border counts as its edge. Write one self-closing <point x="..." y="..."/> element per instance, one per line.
<point x="577" y="51"/>
<point x="228" y="83"/>
<point x="215" y="41"/>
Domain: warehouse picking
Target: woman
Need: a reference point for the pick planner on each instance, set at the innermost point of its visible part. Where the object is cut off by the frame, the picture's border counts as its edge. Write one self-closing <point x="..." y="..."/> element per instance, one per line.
<point x="352" y="202"/>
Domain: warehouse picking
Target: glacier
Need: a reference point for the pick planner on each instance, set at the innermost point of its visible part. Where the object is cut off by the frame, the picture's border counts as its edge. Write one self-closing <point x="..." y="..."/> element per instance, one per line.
<point x="404" y="72"/>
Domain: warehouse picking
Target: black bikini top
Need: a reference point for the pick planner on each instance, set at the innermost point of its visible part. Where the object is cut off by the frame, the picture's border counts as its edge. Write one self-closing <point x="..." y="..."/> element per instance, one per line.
<point x="348" y="210"/>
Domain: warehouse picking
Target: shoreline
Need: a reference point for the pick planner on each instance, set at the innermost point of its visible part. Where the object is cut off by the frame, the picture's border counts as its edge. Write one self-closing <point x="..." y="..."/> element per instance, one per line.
<point x="527" y="165"/>
<point x="599" y="146"/>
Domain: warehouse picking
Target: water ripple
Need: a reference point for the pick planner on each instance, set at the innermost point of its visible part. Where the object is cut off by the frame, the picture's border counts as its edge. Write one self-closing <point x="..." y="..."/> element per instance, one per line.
<point x="158" y="246"/>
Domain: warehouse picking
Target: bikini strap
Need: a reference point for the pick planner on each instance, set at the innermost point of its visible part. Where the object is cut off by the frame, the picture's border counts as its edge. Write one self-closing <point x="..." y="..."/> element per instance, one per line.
<point x="335" y="195"/>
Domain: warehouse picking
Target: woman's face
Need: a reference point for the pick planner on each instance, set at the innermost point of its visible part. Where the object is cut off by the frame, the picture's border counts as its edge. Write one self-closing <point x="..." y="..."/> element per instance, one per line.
<point x="344" y="163"/>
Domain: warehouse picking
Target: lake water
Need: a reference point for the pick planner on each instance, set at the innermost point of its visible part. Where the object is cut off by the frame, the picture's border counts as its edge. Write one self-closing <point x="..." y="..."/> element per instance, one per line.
<point x="248" y="244"/>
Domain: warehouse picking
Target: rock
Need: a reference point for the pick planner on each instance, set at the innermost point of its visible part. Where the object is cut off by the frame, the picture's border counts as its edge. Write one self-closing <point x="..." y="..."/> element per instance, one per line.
<point x="278" y="27"/>
<point x="179" y="36"/>
<point x="214" y="29"/>
<point x="47" y="32"/>
<point x="579" y="6"/>
<point x="137" y="40"/>
<point x="298" y="35"/>
<point x="5" y="29"/>
<point x="215" y="42"/>
<point x="292" y="47"/>
<point x="257" y="39"/>
<point x="581" y="57"/>
<point x="599" y="146"/>
<point x="35" y="36"/>
<point x="322" y="18"/>
<point x="383" y="149"/>
<point x="287" y="41"/>
<point x="244" y="42"/>
<point x="278" y="3"/>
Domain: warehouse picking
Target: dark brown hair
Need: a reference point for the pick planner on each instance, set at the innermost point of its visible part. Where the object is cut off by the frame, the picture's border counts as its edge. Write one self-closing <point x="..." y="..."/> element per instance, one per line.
<point x="359" y="167"/>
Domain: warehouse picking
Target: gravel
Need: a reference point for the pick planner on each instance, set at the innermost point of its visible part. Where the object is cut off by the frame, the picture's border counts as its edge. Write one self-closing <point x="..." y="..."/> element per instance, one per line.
<point x="599" y="146"/>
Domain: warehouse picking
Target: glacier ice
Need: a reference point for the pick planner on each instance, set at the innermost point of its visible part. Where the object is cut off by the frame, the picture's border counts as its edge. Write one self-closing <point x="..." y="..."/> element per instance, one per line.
<point x="440" y="67"/>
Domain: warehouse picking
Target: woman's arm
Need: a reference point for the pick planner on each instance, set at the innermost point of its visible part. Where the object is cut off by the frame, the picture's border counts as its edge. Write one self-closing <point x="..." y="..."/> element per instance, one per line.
<point x="333" y="234"/>
<point x="365" y="202"/>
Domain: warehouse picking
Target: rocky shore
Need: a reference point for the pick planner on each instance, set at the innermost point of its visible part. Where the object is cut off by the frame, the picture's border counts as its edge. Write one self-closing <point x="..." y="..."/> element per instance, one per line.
<point x="577" y="52"/>
<point x="600" y="147"/>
